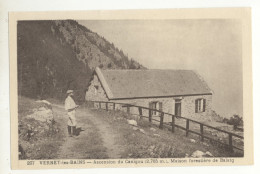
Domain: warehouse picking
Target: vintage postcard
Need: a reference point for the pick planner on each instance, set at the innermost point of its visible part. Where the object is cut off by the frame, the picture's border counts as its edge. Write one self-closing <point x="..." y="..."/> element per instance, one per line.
<point x="131" y="88"/>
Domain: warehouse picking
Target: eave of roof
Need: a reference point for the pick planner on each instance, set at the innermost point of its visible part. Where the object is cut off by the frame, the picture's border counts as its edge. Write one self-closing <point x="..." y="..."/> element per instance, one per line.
<point x="169" y="96"/>
<point x="104" y="83"/>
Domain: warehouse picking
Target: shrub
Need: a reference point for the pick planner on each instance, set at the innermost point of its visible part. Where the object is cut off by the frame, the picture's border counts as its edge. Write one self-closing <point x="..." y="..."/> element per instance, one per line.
<point x="236" y="121"/>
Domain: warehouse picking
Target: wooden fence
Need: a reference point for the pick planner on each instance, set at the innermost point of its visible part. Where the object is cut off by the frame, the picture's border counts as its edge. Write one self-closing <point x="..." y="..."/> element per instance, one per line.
<point x="173" y="125"/>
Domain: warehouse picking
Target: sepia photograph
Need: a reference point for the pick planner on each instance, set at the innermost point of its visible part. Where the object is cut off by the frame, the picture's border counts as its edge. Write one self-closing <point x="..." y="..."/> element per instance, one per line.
<point x="133" y="91"/>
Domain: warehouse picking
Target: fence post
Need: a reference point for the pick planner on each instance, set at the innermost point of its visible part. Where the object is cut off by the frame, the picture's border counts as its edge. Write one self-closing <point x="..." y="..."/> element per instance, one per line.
<point x="114" y="106"/>
<point x="201" y="132"/>
<point x="140" y="112"/>
<point x="150" y="115"/>
<point x="173" y="123"/>
<point x="161" y="120"/>
<point x="230" y="142"/>
<point x="187" y="127"/>
<point x="106" y="106"/>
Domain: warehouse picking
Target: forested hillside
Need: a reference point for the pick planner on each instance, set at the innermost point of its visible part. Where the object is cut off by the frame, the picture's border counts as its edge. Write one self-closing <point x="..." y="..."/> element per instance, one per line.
<point x="54" y="56"/>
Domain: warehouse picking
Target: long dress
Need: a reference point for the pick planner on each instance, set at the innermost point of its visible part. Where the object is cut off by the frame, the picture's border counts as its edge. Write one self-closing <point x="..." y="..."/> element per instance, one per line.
<point x="70" y="104"/>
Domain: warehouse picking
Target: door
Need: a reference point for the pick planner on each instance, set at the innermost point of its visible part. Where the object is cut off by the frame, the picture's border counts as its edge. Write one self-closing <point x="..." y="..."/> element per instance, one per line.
<point x="153" y="105"/>
<point x="177" y="108"/>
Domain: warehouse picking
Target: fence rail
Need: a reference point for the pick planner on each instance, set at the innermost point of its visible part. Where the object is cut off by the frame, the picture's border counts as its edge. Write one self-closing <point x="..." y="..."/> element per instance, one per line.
<point x="173" y="124"/>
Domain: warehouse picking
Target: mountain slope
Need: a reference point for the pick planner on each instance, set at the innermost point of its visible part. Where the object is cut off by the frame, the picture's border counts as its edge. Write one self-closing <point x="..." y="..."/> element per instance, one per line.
<point x="92" y="49"/>
<point x="54" y="56"/>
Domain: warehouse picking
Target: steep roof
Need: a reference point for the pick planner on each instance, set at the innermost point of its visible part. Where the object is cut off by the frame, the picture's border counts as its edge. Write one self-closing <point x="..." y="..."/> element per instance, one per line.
<point x="151" y="83"/>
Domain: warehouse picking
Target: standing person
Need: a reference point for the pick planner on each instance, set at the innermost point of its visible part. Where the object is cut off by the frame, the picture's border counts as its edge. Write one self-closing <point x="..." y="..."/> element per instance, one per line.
<point x="70" y="107"/>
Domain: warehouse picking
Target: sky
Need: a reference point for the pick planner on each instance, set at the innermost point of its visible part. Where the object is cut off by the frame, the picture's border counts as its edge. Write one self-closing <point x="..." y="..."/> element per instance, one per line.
<point x="212" y="47"/>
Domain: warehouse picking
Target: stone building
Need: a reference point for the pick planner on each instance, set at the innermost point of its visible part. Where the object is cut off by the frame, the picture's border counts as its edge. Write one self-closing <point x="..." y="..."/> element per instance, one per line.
<point x="180" y="92"/>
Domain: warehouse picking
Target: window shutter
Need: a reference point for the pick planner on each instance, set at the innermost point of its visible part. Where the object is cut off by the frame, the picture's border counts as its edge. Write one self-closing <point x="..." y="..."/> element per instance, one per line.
<point x="204" y="105"/>
<point x="160" y="106"/>
<point x="196" y="106"/>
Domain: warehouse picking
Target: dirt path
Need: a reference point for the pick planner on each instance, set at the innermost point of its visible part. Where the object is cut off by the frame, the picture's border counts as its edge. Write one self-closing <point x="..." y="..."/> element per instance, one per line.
<point x="97" y="140"/>
<point x="107" y="134"/>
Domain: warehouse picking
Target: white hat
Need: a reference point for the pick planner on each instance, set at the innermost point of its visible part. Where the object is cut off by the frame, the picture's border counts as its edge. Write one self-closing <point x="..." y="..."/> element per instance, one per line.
<point x="69" y="91"/>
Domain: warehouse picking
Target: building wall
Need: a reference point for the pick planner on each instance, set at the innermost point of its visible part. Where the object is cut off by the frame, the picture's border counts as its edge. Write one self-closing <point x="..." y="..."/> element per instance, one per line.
<point x="96" y="94"/>
<point x="168" y="103"/>
<point x="168" y="106"/>
<point x="188" y="108"/>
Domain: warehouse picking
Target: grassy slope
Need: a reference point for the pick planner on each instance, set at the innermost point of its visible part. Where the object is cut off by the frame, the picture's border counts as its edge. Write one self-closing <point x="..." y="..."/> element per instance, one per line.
<point x="167" y="145"/>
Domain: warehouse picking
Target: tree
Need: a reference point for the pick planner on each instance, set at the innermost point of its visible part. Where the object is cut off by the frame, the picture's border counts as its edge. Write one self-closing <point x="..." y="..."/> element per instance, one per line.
<point x="236" y="121"/>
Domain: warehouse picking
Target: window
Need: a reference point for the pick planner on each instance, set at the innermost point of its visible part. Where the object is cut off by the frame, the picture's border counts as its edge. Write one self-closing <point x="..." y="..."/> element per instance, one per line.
<point x="200" y="105"/>
<point x="177" y="107"/>
<point x="155" y="105"/>
<point x="96" y="89"/>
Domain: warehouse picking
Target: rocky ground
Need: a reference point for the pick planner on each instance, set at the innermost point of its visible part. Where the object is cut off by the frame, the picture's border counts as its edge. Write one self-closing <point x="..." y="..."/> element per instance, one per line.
<point x="39" y="130"/>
